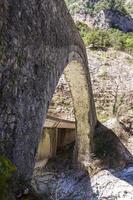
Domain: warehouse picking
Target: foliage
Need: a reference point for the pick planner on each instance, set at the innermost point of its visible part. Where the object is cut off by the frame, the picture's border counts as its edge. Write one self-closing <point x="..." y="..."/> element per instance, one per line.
<point x="110" y="4"/>
<point x="114" y="38"/>
<point x="80" y="6"/>
<point x="73" y="6"/>
<point x="129" y="8"/>
<point x="84" y="30"/>
<point x="6" y="171"/>
<point x="101" y="5"/>
<point x="129" y="42"/>
<point x="91" y="7"/>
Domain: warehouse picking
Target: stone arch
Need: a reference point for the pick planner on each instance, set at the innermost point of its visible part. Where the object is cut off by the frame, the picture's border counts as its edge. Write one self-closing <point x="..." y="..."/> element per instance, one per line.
<point x="77" y="76"/>
<point x="78" y="80"/>
<point x="39" y="39"/>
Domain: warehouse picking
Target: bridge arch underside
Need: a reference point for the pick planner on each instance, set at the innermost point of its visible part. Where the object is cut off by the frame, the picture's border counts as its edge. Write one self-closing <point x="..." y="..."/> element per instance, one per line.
<point x="77" y="79"/>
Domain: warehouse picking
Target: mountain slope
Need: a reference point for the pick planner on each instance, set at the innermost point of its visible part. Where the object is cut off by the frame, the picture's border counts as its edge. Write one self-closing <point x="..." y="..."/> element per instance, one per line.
<point x="103" y="13"/>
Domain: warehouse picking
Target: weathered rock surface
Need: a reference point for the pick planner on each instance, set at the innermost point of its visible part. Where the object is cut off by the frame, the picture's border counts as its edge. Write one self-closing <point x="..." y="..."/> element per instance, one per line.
<point x="69" y="185"/>
<point x="59" y="180"/>
<point x="113" y="19"/>
<point x="113" y="186"/>
<point x="104" y="18"/>
<point x="76" y="185"/>
<point x="38" y="39"/>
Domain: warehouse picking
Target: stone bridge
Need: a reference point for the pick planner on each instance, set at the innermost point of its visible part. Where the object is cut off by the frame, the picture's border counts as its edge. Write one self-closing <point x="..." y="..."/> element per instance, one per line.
<point x="38" y="42"/>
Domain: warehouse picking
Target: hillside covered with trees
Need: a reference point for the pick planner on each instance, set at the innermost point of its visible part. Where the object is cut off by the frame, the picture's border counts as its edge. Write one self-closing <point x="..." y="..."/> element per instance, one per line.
<point x="97" y="26"/>
<point x="93" y="6"/>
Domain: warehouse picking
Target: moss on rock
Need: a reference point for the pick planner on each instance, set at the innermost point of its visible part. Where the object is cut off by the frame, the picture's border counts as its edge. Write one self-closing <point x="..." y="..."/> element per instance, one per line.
<point x="7" y="169"/>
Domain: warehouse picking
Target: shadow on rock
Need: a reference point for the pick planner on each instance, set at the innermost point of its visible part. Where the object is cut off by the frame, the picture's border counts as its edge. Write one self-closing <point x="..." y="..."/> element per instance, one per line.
<point x="59" y="180"/>
<point x="109" y="151"/>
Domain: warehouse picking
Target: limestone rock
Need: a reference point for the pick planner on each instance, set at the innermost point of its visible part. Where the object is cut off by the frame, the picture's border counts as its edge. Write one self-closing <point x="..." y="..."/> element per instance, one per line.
<point x="76" y="185"/>
<point x="113" y="186"/>
<point x="113" y="19"/>
<point x="84" y="11"/>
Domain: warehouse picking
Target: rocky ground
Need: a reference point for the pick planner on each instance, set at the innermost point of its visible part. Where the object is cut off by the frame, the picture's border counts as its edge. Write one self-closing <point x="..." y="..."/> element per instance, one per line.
<point x="109" y="180"/>
<point x="59" y="181"/>
<point x="111" y="74"/>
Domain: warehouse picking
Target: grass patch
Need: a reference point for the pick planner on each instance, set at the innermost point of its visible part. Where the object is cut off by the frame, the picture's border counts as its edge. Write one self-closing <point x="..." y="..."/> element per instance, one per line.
<point x="7" y="169"/>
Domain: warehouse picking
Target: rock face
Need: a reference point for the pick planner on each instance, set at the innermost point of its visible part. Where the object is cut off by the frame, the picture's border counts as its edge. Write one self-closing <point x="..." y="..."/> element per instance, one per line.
<point x="113" y="19"/>
<point x="115" y="186"/>
<point x="71" y="185"/>
<point x="38" y="39"/>
<point x="104" y="18"/>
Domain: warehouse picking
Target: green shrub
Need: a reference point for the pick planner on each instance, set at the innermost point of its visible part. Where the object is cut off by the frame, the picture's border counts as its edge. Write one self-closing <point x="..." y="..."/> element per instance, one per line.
<point x="90" y="7"/>
<point x="110" y="4"/>
<point x="102" y="38"/>
<point x="106" y="38"/>
<point x="6" y="171"/>
<point x="101" y="5"/>
<point x="129" y="8"/>
<point x="84" y="30"/>
<point x="117" y="39"/>
<point x="95" y="37"/>
<point x="129" y="43"/>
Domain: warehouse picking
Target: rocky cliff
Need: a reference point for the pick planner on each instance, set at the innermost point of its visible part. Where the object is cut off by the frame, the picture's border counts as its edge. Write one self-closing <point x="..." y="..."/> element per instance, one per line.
<point x="103" y="14"/>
